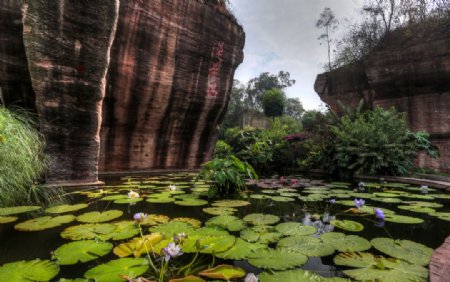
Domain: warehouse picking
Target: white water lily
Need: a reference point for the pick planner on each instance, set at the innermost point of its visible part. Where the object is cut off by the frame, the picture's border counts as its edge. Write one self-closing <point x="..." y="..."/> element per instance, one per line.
<point x="172" y="187"/>
<point x="133" y="195"/>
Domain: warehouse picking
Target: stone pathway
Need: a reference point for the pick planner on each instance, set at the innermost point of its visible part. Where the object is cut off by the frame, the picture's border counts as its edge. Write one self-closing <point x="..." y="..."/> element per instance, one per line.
<point x="439" y="267"/>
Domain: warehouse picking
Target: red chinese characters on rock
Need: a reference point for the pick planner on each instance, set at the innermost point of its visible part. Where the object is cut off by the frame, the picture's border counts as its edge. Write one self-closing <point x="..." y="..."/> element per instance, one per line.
<point x="214" y="69"/>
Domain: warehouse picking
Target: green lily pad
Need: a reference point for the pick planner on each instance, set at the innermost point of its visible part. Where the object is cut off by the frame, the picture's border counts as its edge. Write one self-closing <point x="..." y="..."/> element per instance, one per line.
<point x="17" y="210"/>
<point x="7" y="219"/>
<point x="229" y="222"/>
<point x="261" y="219"/>
<point x="295" y="228"/>
<point x="81" y="251"/>
<point x="219" y="211"/>
<point x="224" y="272"/>
<point x="387" y="200"/>
<point x="402" y="219"/>
<point x="282" y="199"/>
<point x="34" y="270"/>
<point x="66" y="208"/>
<point x="102" y="231"/>
<point x="209" y="231"/>
<point x="348" y="225"/>
<point x="162" y="200"/>
<point x="44" y="222"/>
<point x="111" y="271"/>
<point x="385" y="194"/>
<point x="114" y="197"/>
<point x="424" y="204"/>
<point x="241" y="250"/>
<point x="417" y="196"/>
<point x="418" y="209"/>
<point x="231" y="203"/>
<point x="297" y="275"/>
<point x="309" y="246"/>
<point x="442" y="215"/>
<point x="190" y="278"/>
<point x="259" y="196"/>
<point x="138" y="246"/>
<point x="404" y="249"/>
<point x="371" y="210"/>
<point x="128" y="201"/>
<point x="172" y="228"/>
<point x="261" y="234"/>
<point x="208" y="244"/>
<point x="279" y="259"/>
<point x="377" y="268"/>
<point x="74" y="280"/>
<point x="154" y="219"/>
<point x="362" y="195"/>
<point x="192" y="221"/>
<point x="441" y="196"/>
<point x="96" y="217"/>
<point x="193" y="202"/>
<point x="346" y="243"/>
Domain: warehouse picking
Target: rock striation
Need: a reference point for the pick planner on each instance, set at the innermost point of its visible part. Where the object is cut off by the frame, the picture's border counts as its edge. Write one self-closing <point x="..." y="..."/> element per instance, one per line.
<point x="120" y="85"/>
<point x="410" y="75"/>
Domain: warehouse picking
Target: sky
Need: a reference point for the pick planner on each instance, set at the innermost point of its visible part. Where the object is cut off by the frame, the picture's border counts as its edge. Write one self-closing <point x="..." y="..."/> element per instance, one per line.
<point x="281" y="35"/>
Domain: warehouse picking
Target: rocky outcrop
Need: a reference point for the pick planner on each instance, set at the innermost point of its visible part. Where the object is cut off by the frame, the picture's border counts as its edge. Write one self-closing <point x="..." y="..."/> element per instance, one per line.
<point x="410" y="75"/>
<point x="120" y="85"/>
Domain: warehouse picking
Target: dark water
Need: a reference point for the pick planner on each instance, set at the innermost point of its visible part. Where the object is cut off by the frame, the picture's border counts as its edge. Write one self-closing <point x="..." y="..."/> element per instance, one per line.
<point x="15" y="245"/>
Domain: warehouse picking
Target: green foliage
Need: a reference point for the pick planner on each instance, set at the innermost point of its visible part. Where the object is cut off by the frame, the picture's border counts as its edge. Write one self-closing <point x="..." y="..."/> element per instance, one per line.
<point x="227" y="174"/>
<point x="222" y="149"/>
<point x="22" y="160"/>
<point x="273" y="102"/>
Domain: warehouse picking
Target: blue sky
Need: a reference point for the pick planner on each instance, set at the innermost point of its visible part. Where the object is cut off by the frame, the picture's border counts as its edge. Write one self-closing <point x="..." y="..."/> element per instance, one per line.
<point x="281" y="35"/>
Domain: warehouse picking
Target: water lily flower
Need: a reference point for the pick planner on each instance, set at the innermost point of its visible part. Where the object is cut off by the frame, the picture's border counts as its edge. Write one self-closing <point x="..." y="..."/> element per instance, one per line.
<point x="172" y="250"/>
<point x="359" y="203"/>
<point x="332" y="201"/>
<point x="250" y="277"/>
<point x="172" y="187"/>
<point x="179" y="238"/>
<point x="424" y="189"/>
<point x="379" y="213"/>
<point x="139" y="217"/>
<point x="294" y="181"/>
<point x="283" y="180"/>
<point x="361" y="186"/>
<point x="133" y="195"/>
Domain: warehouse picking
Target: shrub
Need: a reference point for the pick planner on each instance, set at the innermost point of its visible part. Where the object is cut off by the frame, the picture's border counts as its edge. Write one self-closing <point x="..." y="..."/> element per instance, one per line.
<point x="222" y="150"/>
<point x="21" y="157"/>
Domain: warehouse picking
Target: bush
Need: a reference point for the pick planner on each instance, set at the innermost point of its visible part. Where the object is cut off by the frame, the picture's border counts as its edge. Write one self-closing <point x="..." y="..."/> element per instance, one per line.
<point x="21" y="157"/>
<point x="222" y="150"/>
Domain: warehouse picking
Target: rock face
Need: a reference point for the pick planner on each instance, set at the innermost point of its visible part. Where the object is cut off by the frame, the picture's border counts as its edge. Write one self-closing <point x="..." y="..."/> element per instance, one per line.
<point x="412" y="76"/>
<point x="120" y="85"/>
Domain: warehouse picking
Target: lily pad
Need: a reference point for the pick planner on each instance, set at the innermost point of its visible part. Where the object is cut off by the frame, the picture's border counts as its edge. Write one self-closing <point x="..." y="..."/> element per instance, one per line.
<point x="397" y="218"/>
<point x="404" y="249"/>
<point x="208" y="244"/>
<point x="387" y="200"/>
<point x="261" y="234"/>
<point x="128" y="201"/>
<point x="162" y="200"/>
<point x="261" y="219"/>
<point x="193" y="202"/>
<point x="34" y="270"/>
<point x="259" y="196"/>
<point x="424" y="204"/>
<point x="241" y="250"/>
<point x="346" y="243"/>
<point x="17" y="210"/>
<point x="297" y="275"/>
<point x="282" y="199"/>
<point x="44" y="222"/>
<point x="114" y="197"/>
<point x="190" y="278"/>
<point x="295" y="228"/>
<point x="219" y="211"/>
<point x="138" y="246"/>
<point x="66" y="208"/>
<point x="96" y="217"/>
<point x="155" y="219"/>
<point x="231" y="203"/>
<point x="7" y="219"/>
<point x="111" y="271"/>
<point x="415" y="208"/>
<point x="209" y="231"/>
<point x="442" y="215"/>
<point x="172" y="228"/>
<point x="309" y="246"/>
<point x="348" y="225"/>
<point x="224" y="272"/>
<point x="192" y="221"/>
<point x="102" y="231"/>
<point x="229" y="222"/>
<point x="279" y="259"/>
<point x="81" y="251"/>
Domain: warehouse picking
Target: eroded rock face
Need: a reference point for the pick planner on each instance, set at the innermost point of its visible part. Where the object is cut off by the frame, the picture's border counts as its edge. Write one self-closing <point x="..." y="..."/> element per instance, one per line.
<point x="412" y="77"/>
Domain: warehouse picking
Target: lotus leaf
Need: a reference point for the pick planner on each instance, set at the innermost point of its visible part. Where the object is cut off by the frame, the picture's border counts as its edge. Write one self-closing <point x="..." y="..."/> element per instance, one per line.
<point x="219" y="211"/>
<point x="96" y="217"/>
<point x="279" y="259"/>
<point x="7" y="219"/>
<point x="111" y="271"/>
<point x="376" y="268"/>
<point x="224" y="272"/>
<point x="128" y="201"/>
<point x="192" y="221"/>
<point x="44" y="222"/>
<point x="229" y="222"/>
<point x="348" y="225"/>
<point x="261" y="219"/>
<point x="402" y="219"/>
<point x="241" y="250"/>
<point x="295" y="228"/>
<point x="208" y="244"/>
<point x="34" y="270"/>
<point x="81" y="251"/>
<point x="103" y="231"/>
<point x="193" y="202"/>
<point x="261" y="234"/>
<point x="404" y="249"/>
<point x="309" y="246"/>
<point x="415" y="208"/>
<point x="296" y="276"/>
<point x="343" y="243"/>
<point x="189" y="278"/>
<point x="282" y="199"/>
<point x="231" y="203"/>
<point x="139" y="245"/>
<point x="18" y="209"/>
<point x="66" y="208"/>
<point x="172" y="228"/>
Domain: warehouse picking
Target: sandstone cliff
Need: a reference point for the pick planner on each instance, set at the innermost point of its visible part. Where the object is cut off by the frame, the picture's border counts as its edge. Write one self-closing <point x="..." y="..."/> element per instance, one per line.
<point x="120" y="85"/>
<point x="408" y="73"/>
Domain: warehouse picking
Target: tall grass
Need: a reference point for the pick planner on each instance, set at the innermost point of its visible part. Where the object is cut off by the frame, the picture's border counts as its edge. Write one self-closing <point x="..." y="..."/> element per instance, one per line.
<point x="22" y="161"/>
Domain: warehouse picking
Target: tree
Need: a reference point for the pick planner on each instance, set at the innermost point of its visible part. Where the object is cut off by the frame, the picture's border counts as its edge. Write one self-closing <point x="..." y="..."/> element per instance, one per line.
<point x="294" y="108"/>
<point x="273" y="102"/>
<point x="328" y="22"/>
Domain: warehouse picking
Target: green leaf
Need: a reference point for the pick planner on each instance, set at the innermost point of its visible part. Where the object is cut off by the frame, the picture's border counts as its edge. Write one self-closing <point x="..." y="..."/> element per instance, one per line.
<point x="7" y="219"/>
<point x="230" y="203"/>
<point x="191" y="202"/>
<point x="295" y="228"/>
<point x="219" y="211"/>
<point x="23" y="271"/>
<point x="279" y="259"/>
<point x="81" y="251"/>
<point x="102" y="231"/>
<point x="172" y="228"/>
<point x="208" y="244"/>
<point x="96" y="217"/>
<point x="346" y="243"/>
<point x="241" y="250"/>
<point x="404" y="249"/>
<point x="229" y="222"/>
<point x="261" y="219"/>
<point x="66" y="208"/>
<point x="309" y="246"/>
<point x="296" y="275"/>
<point x="17" y="210"/>
<point x="138" y="246"/>
<point x="112" y="270"/>
<point x="262" y="234"/>
<point x="402" y="219"/>
<point x="42" y="223"/>
<point x="417" y="208"/>
<point x="348" y="225"/>
<point x="224" y="272"/>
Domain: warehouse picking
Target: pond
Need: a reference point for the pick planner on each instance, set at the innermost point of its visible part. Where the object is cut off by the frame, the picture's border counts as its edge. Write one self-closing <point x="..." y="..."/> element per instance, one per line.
<point x="293" y="230"/>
